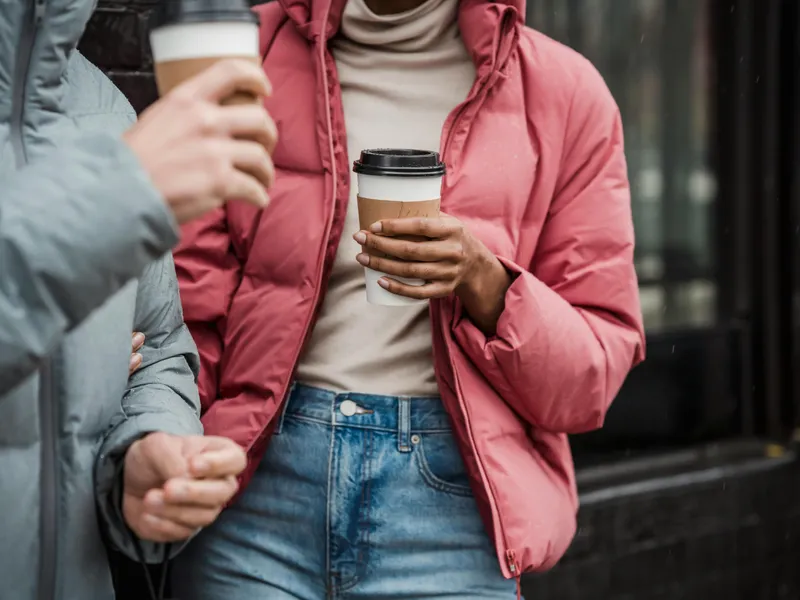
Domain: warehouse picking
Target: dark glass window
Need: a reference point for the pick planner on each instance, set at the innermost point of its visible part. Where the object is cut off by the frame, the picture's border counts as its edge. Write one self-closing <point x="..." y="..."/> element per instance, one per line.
<point x="658" y="59"/>
<point x="708" y="93"/>
<point x="655" y="56"/>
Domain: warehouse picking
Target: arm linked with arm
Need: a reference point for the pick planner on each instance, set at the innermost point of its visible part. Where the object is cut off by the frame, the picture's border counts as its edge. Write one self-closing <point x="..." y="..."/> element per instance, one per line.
<point x="161" y="396"/>
<point x="208" y="273"/>
<point x="571" y="329"/>
<point x="75" y="227"/>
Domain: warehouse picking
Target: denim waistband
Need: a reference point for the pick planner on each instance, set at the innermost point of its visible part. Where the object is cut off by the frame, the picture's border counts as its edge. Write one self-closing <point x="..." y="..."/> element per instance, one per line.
<point x="403" y="414"/>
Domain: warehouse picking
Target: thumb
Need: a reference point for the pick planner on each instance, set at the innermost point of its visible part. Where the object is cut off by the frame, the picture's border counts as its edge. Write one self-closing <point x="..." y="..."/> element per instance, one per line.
<point x="221" y="457"/>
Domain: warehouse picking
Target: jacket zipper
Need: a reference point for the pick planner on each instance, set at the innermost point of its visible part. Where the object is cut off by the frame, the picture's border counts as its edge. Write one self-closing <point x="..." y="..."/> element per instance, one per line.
<point x="511" y="563"/>
<point x="27" y="40"/>
<point x="322" y="44"/>
<point x="48" y="505"/>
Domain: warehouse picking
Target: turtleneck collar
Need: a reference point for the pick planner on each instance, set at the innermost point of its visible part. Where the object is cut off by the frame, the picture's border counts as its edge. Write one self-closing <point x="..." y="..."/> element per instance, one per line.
<point x="415" y="30"/>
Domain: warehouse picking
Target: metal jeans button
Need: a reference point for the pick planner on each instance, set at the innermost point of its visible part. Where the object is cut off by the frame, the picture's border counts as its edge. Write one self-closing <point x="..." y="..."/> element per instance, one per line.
<point x="348" y="408"/>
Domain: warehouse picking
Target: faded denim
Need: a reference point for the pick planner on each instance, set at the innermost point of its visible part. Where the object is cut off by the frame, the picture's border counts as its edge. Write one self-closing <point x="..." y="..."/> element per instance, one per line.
<point x="359" y="497"/>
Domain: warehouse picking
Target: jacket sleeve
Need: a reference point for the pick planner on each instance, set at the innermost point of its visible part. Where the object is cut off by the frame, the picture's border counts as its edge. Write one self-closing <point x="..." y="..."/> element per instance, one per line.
<point x="161" y="396"/>
<point x="74" y="228"/>
<point x="208" y="273"/>
<point x="572" y="328"/>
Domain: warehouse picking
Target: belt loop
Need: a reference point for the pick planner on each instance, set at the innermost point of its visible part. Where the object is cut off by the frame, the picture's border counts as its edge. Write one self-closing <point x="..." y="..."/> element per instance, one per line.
<point x="285" y="406"/>
<point x="404" y="424"/>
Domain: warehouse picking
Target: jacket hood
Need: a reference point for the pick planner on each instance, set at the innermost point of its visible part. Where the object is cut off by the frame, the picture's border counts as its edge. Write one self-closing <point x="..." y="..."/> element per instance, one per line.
<point x="51" y="30"/>
<point x="484" y="24"/>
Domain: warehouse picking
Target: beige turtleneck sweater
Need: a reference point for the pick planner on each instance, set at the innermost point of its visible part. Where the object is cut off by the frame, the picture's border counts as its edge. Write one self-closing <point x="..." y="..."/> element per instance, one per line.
<point x="401" y="75"/>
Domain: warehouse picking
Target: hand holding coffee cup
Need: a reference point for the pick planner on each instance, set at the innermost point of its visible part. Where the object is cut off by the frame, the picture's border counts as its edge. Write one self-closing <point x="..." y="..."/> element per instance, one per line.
<point x="412" y="252"/>
<point x="199" y="152"/>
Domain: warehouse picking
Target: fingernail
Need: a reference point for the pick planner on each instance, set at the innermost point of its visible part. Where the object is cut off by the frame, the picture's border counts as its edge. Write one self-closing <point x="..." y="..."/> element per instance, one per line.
<point x="135" y="360"/>
<point x="155" y="500"/>
<point x="363" y="259"/>
<point x="200" y="465"/>
<point x="360" y="237"/>
<point x="376" y="227"/>
<point x="178" y="492"/>
<point x="383" y="283"/>
<point x="152" y="519"/>
<point x="138" y="339"/>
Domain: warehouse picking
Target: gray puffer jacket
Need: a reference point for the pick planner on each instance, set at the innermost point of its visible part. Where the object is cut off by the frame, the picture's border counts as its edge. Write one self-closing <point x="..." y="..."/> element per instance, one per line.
<point x="79" y="223"/>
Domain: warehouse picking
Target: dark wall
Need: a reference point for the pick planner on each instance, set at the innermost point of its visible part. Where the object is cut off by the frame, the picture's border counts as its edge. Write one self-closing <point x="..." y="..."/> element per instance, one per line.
<point x="116" y="41"/>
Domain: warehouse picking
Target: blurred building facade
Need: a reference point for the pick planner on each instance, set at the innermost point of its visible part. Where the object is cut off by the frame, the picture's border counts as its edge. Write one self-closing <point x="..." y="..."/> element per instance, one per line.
<point x="692" y="489"/>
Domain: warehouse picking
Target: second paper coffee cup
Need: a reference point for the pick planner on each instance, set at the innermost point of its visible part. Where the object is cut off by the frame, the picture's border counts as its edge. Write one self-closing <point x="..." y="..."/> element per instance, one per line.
<point x="188" y="36"/>
<point x="396" y="184"/>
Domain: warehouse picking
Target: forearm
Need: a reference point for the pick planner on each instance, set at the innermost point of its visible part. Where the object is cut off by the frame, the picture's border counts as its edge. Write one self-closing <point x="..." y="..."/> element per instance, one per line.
<point x="74" y="228"/>
<point x="162" y="394"/>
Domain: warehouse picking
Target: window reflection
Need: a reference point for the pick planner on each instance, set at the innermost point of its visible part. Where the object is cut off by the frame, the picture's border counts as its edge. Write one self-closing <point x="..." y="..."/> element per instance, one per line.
<point x="656" y="58"/>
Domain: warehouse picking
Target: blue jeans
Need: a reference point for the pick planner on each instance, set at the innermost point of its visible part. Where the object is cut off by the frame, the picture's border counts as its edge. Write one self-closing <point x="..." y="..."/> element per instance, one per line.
<point x="358" y="497"/>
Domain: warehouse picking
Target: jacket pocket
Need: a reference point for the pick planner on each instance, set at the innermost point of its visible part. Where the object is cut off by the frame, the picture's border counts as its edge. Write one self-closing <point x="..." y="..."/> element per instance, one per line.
<point x="440" y="464"/>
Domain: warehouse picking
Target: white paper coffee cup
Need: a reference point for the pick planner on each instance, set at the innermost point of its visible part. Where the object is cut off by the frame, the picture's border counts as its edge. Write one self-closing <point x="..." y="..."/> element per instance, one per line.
<point x="188" y="36"/>
<point x="393" y="184"/>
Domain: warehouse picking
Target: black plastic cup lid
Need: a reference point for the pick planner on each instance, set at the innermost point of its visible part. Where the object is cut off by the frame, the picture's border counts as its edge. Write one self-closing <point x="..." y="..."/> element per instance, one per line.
<point x="180" y="12"/>
<point x="398" y="162"/>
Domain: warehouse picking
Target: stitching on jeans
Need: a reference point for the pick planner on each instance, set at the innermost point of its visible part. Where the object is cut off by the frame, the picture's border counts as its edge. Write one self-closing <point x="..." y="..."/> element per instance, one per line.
<point x="403" y="424"/>
<point x="328" y="559"/>
<point x="365" y="507"/>
<point x="433" y="481"/>
<point x="307" y="419"/>
<point x="284" y="409"/>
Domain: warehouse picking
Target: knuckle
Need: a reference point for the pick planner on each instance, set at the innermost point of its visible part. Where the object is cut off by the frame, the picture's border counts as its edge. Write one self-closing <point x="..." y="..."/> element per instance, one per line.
<point x="181" y="98"/>
<point x="238" y="68"/>
<point x="219" y="164"/>
<point x="424" y="272"/>
<point x="458" y="253"/>
<point x="409" y="270"/>
<point x="207" y="119"/>
<point x="411" y="250"/>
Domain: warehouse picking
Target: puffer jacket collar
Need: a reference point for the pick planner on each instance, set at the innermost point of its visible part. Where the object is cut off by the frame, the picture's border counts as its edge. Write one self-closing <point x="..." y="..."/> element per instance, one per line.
<point x="51" y="29"/>
<point x="485" y="25"/>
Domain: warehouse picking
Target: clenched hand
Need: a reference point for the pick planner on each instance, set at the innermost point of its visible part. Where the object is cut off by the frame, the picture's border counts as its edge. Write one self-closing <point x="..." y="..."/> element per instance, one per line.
<point x="174" y="485"/>
<point x="200" y="154"/>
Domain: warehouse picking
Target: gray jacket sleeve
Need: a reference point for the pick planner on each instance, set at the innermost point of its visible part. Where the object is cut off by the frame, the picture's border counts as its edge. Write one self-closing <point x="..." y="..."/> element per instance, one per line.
<point x="161" y="396"/>
<point x="74" y="228"/>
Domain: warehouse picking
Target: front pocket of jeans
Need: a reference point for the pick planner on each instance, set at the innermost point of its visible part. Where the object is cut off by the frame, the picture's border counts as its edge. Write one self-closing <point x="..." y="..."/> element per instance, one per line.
<point x="440" y="465"/>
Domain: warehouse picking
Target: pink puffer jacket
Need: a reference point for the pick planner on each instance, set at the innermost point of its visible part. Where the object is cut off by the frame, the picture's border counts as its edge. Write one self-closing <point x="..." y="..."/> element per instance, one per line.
<point x="536" y="170"/>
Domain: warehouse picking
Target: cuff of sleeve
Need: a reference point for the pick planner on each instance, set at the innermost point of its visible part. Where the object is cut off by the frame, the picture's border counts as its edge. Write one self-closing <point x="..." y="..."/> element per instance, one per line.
<point x="472" y="339"/>
<point x="109" y="479"/>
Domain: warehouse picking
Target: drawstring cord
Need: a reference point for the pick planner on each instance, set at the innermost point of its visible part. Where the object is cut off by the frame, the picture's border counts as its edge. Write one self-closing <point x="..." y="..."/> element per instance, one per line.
<point x="155" y="593"/>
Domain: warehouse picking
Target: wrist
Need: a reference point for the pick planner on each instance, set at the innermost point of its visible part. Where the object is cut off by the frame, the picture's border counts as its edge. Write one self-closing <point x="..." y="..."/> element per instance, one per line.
<point x="483" y="291"/>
